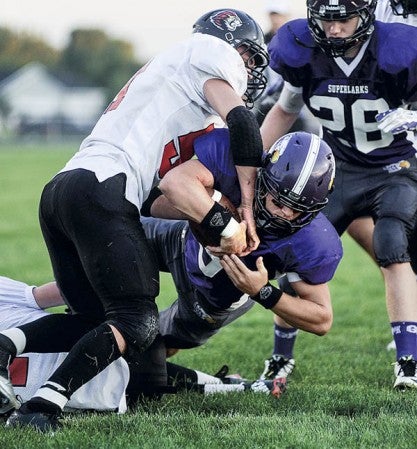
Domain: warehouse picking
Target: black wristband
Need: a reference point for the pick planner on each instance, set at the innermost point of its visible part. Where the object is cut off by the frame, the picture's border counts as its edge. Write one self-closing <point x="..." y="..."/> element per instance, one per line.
<point x="216" y="220"/>
<point x="147" y="204"/>
<point x="268" y="296"/>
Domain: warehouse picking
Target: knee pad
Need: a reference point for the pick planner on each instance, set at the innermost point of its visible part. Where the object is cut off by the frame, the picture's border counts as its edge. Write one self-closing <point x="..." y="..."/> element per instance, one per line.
<point x="390" y="241"/>
<point x="139" y="325"/>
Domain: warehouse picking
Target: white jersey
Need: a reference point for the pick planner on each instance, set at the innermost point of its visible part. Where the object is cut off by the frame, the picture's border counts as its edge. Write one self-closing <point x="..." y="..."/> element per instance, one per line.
<point x="150" y="125"/>
<point x="29" y="371"/>
<point x="383" y="12"/>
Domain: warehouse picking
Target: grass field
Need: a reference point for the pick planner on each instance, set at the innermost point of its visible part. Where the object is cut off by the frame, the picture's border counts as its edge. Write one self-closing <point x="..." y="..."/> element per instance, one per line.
<point x="340" y="394"/>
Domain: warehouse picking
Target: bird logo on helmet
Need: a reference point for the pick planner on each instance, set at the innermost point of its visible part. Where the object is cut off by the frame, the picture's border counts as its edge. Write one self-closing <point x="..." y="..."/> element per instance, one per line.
<point x="338" y="10"/>
<point x="226" y="20"/>
<point x="298" y="172"/>
<point x="245" y="35"/>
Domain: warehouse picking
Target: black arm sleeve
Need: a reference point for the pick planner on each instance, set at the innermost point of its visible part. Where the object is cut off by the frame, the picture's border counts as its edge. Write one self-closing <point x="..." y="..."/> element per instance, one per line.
<point x="245" y="137"/>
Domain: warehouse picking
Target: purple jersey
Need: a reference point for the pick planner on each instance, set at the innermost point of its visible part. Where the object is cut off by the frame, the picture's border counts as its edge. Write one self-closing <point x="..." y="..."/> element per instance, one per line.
<point x="313" y="252"/>
<point x="346" y="95"/>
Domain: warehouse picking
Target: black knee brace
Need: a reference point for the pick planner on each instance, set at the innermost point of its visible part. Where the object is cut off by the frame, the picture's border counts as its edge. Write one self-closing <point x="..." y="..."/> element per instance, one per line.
<point x="390" y="241"/>
<point x="139" y="325"/>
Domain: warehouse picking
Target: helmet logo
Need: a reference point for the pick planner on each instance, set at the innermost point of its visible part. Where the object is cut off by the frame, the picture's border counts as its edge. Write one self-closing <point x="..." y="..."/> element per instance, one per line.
<point x="275" y="156"/>
<point x="226" y="20"/>
<point x="333" y="6"/>
<point x="279" y="148"/>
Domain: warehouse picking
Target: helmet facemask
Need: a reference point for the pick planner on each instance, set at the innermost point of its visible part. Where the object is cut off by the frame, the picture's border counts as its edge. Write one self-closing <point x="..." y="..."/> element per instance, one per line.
<point x="274" y="224"/>
<point x="404" y="7"/>
<point x="256" y="60"/>
<point x="298" y="172"/>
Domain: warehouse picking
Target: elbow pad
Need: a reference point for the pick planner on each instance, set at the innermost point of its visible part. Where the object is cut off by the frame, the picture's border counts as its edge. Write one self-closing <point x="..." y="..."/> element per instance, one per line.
<point x="245" y="137"/>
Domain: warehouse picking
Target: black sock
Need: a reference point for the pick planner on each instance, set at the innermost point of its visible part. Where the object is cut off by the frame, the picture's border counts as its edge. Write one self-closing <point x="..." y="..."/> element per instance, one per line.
<point x="94" y="352"/>
<point x="181" y="377"/>
<point x="7" y="353"/>
<point x="57" y="332"/>
<point x="148" y="372"/>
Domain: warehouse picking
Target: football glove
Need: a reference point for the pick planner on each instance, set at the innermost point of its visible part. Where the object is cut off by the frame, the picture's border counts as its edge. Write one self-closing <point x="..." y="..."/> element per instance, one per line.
<point x="396" y="121"/>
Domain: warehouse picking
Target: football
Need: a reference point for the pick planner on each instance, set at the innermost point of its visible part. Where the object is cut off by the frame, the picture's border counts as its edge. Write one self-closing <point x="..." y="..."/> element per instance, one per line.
<point x="200" y="233"/>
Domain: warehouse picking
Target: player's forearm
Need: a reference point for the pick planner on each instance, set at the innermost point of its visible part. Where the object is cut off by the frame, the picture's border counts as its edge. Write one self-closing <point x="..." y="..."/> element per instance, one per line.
<point x="185" y="188"/>
<point x="162" y="208"/>
<point x="277" y="123"/>
<point x="304" y="314"/>
<point x="48" y="295"/>
<point x="247" y="178"/>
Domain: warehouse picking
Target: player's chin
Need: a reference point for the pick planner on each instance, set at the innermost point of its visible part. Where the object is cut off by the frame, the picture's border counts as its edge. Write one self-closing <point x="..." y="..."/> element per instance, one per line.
<point x="171" y="351"/>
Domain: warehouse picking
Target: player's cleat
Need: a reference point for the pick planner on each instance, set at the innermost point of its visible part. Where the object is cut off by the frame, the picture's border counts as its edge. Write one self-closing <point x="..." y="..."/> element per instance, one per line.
<point x="43" y="422"/>
<point x="405" y="371"/>
<point x="391" y="346"/>
<point x="277" y="367"/>
<point x="8" y="400"/>
<point x="275" y="387"/>
<point x="226" y="378"/>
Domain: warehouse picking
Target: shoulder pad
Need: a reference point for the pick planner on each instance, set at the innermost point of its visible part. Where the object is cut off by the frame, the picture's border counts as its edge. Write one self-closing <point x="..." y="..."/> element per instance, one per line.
<point x="292" y="44"/>
<point x="396" y="46"/>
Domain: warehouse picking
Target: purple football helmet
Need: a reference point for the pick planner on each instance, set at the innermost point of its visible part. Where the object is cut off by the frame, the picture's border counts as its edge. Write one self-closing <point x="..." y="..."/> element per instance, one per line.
<point x="243" y="33"/>
<point x="298" y="172"/>
<point x="404" y="7"/>
<point x="340" y="10"/>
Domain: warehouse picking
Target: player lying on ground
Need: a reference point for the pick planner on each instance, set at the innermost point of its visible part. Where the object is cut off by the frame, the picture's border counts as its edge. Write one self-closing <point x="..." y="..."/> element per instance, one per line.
<point x="112" y="389"/>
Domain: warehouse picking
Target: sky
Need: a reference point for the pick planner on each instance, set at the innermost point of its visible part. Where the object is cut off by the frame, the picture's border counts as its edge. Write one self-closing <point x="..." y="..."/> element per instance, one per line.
<point x="150" y="25"/>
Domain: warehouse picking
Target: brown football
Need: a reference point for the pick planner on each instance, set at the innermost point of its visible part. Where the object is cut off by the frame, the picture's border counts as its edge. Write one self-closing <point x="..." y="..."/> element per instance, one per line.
<point x="199" y="231"/>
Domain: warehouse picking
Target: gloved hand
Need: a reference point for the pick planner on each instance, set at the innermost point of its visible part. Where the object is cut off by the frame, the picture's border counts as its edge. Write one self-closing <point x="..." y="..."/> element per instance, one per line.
<point x="396" y="121"/>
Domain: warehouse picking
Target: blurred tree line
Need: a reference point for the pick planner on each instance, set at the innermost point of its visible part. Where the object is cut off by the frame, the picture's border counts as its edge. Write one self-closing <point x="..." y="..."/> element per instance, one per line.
<point x="91" y="57"/>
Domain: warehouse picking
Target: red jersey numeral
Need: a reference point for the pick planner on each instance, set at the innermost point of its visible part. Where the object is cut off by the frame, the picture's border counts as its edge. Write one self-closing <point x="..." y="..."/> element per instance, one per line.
<point x="175" y="156"/>
<point x="19" y="370"/>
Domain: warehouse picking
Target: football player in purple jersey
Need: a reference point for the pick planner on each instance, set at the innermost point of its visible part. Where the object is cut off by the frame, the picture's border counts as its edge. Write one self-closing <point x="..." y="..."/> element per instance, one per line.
<point x="295" y="238"/>
<point x="361" y="229"/>
<point x="344" y="66"/>
<point x="402" y="11"/>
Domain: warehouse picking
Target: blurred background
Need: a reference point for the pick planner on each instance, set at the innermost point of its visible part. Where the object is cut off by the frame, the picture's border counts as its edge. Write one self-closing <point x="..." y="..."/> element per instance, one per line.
<point x="62" y="62"/>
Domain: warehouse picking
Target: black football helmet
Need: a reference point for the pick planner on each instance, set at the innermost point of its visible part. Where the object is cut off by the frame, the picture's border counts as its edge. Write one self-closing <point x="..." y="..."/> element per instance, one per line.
<point x="242" y="32"/>
<point x="404" y="7"/>
<point x="339" y="10"/>
<point x="298" y="171"/>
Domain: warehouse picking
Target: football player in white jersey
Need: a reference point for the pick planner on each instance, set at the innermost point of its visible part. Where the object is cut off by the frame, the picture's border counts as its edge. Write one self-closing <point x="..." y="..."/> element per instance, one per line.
<point x="89" y="212"/>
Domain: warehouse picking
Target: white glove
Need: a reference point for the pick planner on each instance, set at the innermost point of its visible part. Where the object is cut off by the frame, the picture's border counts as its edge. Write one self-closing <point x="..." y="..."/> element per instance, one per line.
<point x="396" y="121"/>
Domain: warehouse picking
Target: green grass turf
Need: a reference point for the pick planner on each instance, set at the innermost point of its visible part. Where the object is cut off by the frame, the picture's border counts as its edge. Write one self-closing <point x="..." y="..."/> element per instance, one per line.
<point x="340" y="394"/>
